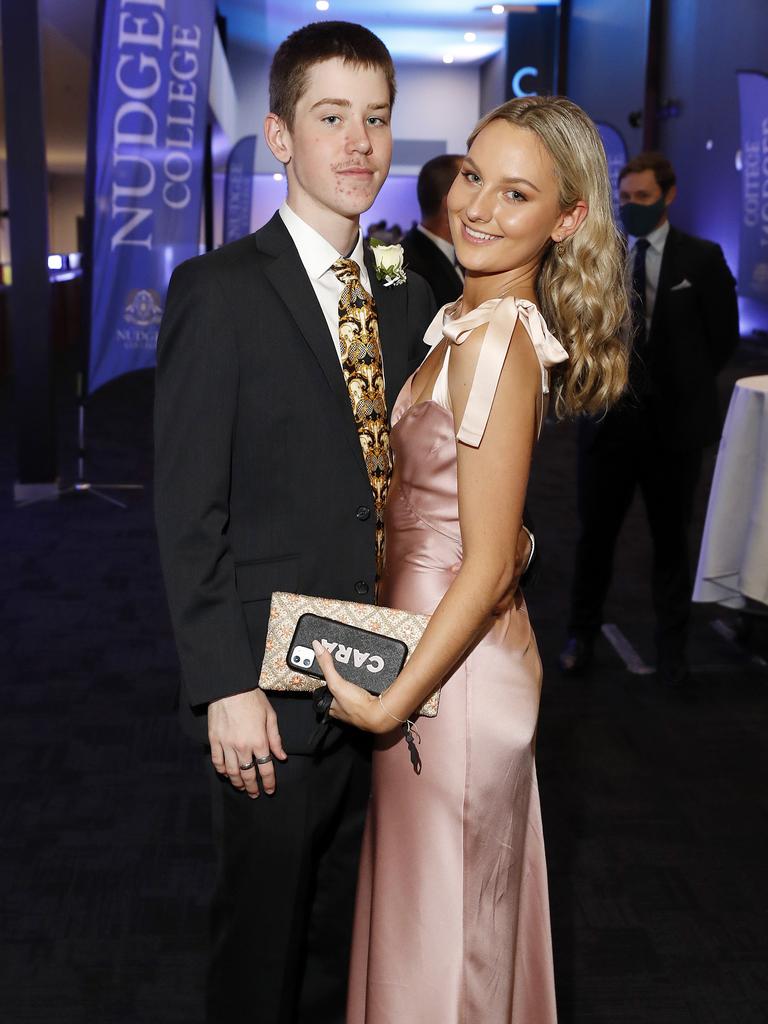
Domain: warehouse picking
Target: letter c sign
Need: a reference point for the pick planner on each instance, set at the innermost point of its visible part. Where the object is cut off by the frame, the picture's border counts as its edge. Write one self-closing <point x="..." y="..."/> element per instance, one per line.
<point x="517" y="78"/>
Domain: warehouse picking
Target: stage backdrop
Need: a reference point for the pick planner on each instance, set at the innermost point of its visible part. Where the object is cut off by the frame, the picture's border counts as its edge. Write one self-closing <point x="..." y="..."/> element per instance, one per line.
<point x="149" y="109"/>
<point x="753" y="234"/>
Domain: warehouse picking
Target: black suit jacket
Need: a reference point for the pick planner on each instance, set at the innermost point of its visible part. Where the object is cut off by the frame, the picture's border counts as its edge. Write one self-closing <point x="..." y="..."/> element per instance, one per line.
<point x="694" y="331"/>
<point x="260" y="483"/>
<point x="423" y="256"/>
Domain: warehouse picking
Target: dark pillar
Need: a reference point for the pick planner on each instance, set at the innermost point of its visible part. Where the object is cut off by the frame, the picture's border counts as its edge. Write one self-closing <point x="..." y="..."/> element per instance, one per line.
<point x="563" y="36"/>
<point x="29" y="298"/>
<point x="208" y="187"/>
<point x="653" y="74"/>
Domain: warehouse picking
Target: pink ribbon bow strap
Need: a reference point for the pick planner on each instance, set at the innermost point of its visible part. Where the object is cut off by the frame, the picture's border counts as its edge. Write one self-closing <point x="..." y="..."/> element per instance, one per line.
<point x="501" y="315"/>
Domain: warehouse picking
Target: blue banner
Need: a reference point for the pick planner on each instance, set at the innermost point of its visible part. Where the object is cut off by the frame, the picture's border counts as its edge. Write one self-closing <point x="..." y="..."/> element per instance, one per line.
<point x="616" y="154"/>
<point x="238" y="192"/>
<point x="146" y="146"/>
<point x="753" y="235"/>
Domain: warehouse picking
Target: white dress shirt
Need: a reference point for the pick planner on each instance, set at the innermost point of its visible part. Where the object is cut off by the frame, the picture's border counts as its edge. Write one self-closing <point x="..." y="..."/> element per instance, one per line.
<point x="653" y="255"/>
<point x="318" y="256"/>
<point x="446" y="248"/>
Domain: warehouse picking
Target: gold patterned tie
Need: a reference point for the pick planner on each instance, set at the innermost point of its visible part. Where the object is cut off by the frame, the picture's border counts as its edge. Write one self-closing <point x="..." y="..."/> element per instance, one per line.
<point x="361" y="362"/>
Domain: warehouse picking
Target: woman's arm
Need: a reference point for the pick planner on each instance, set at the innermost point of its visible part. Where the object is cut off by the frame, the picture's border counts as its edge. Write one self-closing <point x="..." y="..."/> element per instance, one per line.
<point x="492" y="481"/>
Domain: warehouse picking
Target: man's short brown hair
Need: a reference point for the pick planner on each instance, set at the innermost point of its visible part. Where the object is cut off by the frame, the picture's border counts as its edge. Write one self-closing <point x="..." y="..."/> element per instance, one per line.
<point x="313" y="44"/>
<point x="435" y="180"/>
<point x="662" y="169"/>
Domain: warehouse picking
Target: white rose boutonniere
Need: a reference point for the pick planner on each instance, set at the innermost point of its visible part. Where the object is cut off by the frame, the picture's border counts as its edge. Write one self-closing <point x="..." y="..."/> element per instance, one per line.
<point x="389" y="263"/>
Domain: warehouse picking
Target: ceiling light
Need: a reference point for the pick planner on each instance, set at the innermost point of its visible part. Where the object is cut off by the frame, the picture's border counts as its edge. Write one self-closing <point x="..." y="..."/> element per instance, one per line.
<point x="498" y="9"/>
<point x="322" y="5"/>
<point x="277" y="176"/>
<point x="447" y="58"/>
<point x="470" y="37"/>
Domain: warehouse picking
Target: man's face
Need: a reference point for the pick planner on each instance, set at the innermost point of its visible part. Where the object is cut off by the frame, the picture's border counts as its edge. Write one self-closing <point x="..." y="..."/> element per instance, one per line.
<point x="340" y="145"/>
<point x="641" y="187"/>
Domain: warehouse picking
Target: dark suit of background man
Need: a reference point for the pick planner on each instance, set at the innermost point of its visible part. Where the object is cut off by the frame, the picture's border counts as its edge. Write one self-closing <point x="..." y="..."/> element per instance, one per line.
<point x="428" y="247"/>
<point x="261" y="486"/>
<point x="686" y="327"/>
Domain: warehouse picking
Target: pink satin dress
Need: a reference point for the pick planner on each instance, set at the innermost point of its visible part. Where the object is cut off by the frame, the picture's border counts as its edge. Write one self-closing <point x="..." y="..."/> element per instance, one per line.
<point x="452" y="918"/>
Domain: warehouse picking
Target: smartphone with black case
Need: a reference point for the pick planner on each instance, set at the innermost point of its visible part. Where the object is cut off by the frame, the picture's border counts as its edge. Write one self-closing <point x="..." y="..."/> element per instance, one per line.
<point x="367" y="659"/>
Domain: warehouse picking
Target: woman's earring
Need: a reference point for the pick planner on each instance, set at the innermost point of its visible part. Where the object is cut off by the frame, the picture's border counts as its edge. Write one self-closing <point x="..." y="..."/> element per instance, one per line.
<point x="560" y="247"/>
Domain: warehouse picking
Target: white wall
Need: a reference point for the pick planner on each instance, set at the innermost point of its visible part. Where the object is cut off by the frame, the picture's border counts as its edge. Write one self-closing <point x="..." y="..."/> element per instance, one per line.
<point x="250" y="73"/>
<point x="437" y="103"/>
<point x="65" y="202"/>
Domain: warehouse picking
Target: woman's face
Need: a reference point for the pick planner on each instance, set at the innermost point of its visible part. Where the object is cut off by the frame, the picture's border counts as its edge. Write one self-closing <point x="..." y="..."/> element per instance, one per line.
<point x="504" y="206"/>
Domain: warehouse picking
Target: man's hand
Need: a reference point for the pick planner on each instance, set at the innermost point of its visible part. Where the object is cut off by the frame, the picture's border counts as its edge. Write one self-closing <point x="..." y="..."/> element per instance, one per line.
<point x="241" y="729"/>
<point x="523" y="553"/>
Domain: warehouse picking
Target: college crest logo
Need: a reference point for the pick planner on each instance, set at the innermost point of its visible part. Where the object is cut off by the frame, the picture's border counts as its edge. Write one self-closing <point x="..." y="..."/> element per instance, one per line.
<point x="143" y="307"/>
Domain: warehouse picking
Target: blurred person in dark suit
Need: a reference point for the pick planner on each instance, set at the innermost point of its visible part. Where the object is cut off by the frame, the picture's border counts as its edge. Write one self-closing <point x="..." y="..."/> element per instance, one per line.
<point x="686" y="326"/>
<point x="428" y="247"/>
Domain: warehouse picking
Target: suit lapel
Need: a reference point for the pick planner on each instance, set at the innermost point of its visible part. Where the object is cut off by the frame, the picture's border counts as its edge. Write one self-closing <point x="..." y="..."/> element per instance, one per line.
<point x="392" y="312"/>
<point x="434" y="254"/>
<point x="287" y="276"/>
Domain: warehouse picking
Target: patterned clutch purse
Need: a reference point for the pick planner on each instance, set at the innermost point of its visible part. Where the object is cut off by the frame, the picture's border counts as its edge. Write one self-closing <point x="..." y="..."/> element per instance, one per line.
<point x="285" y="611"/>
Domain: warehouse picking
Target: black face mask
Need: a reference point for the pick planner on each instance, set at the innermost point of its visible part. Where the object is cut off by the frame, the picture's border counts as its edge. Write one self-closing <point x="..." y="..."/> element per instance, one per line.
<point x="638" y="219"/>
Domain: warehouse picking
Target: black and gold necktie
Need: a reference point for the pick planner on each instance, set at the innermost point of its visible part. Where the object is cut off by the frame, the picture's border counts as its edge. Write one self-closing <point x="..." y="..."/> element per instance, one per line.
<point x="361" y="363"/>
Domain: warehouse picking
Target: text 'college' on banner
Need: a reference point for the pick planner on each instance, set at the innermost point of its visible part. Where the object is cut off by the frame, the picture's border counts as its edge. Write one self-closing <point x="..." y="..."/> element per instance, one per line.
<point x="146" y="148"/>
<point x="753" y="229"/>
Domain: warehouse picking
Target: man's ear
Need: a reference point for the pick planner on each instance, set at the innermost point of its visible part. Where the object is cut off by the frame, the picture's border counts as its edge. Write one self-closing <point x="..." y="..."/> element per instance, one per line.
<point x="278" y="138"/>
<point x="570" y="221"/>
<point x="671" y="195"/>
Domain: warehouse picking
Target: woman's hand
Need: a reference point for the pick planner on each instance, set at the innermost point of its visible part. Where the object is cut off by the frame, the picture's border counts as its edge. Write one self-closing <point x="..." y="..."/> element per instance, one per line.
<point x="351" y="704"/>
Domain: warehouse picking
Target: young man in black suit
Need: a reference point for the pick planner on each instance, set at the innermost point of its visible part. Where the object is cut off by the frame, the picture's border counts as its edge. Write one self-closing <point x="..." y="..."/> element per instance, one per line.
<point x="428" y="247"/>
<point x="261" y="485"/>
<point x="686" y="326"/>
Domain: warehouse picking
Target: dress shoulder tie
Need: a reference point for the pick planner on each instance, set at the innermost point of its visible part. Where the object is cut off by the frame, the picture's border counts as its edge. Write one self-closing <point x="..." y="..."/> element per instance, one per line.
<point x="501" y="315"/>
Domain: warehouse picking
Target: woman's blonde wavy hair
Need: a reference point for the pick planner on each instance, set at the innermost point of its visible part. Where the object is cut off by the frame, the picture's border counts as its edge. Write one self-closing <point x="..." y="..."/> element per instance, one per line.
<point x="583" y="292"/>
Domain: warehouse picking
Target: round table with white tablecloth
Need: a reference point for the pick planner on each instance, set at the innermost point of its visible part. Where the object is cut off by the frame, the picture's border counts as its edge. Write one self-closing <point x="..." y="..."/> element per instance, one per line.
<point x="733" y="562"/>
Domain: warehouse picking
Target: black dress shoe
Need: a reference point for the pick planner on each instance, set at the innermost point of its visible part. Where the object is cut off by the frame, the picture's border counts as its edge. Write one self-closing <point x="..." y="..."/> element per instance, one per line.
<point x="576" y="656"/>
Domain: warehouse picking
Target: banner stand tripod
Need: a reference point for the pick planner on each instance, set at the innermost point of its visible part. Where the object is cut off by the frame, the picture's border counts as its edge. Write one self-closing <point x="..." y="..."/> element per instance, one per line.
<point x="82" y="485"/>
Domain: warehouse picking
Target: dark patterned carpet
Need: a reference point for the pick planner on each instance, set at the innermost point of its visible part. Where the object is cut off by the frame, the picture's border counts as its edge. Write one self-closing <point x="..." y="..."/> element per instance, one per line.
<point x="655" y="802"/>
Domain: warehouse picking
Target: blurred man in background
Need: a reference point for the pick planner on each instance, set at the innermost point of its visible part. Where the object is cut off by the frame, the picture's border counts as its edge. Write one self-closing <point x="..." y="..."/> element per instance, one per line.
<point x="428" y="246"/>
<point x="686" y="326"/>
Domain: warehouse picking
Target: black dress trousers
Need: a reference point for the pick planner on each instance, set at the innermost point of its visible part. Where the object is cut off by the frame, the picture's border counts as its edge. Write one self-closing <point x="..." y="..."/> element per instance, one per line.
<point x="628" y="453"/>
<point x="281" y="916"/>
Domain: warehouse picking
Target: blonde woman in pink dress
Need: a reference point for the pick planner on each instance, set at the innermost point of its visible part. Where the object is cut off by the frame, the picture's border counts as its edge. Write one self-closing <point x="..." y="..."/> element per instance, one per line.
<point x="452" y="923"/>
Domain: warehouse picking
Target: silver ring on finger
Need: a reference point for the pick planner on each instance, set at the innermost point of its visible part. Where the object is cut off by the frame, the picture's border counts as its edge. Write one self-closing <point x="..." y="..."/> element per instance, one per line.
<point x="263" y="760"/>
<point x="251" y="763"/>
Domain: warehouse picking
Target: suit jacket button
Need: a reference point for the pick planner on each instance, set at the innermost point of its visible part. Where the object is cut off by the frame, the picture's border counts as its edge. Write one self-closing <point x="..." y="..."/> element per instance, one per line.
<point x="361" y="587"/>
<point x="363" y="513"/>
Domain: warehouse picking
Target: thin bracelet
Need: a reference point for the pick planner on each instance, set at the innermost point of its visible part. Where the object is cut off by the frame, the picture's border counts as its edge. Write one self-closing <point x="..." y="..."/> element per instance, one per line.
<point x="533" y="548"/>
<point x="401" y="721"/>
<point x="410" y="727"/>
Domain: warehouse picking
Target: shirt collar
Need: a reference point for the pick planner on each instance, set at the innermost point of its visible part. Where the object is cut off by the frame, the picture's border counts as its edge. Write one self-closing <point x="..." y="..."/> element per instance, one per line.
<point x="445" y="247"/>
<point x="655" y="239"/>
<point x="316" y="253"/>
